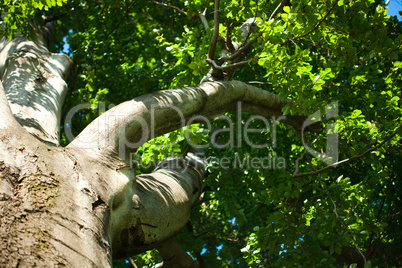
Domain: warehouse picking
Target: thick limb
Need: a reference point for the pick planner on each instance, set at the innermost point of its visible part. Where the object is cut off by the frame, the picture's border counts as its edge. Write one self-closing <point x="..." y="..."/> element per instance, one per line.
<point x="174" y="256"/>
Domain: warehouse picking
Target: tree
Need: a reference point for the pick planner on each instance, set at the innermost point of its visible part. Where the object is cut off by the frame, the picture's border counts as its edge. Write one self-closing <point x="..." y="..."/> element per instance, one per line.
<point x="288" y="191"/>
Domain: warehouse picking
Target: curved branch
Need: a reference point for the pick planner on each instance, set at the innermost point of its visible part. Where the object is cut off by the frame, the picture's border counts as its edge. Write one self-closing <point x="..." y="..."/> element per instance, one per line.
<point x="158" y="206"/>
<point x="33" y="79"/>
<point x="124" y="128"/>
<point x="132" y="263"/>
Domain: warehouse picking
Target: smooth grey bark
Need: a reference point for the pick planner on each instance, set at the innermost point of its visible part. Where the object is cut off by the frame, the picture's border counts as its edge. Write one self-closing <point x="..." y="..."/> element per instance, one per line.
<point x="82" y="206"/>
<point x="33" y="79"/>
<point x="123" y="129"/>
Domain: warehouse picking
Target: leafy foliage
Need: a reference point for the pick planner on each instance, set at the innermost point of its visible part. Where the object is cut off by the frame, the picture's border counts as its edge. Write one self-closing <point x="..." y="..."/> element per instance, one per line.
<point x="17" y="15"/>
<point x="313" y="52"/>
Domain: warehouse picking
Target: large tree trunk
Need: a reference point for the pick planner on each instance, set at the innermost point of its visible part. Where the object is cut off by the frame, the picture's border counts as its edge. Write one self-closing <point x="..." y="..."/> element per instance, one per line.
<point x="59" y="208"/>
<point x="81" y="206"/>
<point x="50" y="215"/>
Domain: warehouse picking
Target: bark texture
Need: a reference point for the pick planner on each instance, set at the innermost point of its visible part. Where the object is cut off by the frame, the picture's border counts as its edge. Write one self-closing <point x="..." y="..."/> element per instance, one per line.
<point x="124" y="128"/>
<point x="33" y="79"/>
<point x="47" y="213"/>
<point x="81" y="206"/>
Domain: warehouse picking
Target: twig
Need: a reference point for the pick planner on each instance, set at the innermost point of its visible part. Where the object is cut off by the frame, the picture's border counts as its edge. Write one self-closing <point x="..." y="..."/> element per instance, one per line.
<point x="298" y="161"/>
<point x="250" y="29"/>
<point x="392" y="215"/>
<point x="242" y="50"/>
<point x="214" y="39"/>
<point x="347" y="228"/>
<point x="279" y="8"/>
<point x="103" y="8"/>
<point x="346" y="160"/>
<point x="51" y="19"/>
<point x="314" y="28"/>
<point x="259" y="83"/>
<point x="219" y="237"/>
<point x="226" y="67"/>
<point x="167" y="5"/>
<point x="120" y="22"/>
<point x="229" y="44"/>
<point x="203" y="19"/>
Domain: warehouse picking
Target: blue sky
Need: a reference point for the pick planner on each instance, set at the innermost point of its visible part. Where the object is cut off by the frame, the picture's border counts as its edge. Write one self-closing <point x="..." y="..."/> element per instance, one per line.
<point x="394" y="6"/>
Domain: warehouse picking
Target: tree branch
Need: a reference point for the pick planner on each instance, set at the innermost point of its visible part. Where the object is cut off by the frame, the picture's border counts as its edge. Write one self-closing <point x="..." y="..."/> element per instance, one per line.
<point x="346" y="160"/>
<point x="228" y="40"/>
<point x="132" y="263"/>
<point x="170" y="6"/>
<point x="174" y="255"/>
<point x="7" y="119"/>
<point x="314" y="28"/>
<point x="123" y="129"/>
<point x="226" y="67"/>
<point x="243" y="50"/>
<point x="123" y="18"/>
<point x="203" y="19"/>
<point x="214" y="39"/>
<point x="41" y="72"/>
<point x="364" y="260"/>
<point x="159" y="205"/>
<point x="51" y="19"/>
<point x="279" y="8"/>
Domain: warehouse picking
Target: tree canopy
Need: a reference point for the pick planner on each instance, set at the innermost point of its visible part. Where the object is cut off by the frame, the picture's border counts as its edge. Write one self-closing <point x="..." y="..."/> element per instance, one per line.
<point x="273" y="197"/>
